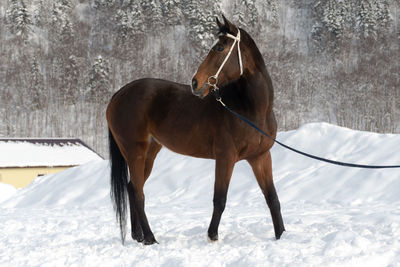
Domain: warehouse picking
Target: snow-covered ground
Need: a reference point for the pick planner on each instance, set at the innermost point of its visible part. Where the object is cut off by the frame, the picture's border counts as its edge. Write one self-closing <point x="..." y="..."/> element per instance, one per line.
<point x="334" y="216"/>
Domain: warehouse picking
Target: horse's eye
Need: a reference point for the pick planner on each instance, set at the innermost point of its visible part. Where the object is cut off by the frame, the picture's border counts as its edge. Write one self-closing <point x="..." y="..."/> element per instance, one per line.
<point x="220" y="48"/>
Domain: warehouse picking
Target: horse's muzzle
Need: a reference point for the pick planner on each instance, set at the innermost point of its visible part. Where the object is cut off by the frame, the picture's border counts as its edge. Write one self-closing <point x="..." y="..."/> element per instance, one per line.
<point x="199" y="92"/>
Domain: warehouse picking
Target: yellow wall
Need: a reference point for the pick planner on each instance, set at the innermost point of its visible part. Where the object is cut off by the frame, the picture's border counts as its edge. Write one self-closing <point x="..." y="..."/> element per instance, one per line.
<point x="21" y="177"/>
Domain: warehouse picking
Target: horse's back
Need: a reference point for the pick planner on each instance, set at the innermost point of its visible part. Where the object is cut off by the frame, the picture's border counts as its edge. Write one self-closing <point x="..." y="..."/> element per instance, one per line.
<point x="138" y="90"/>
<point x="141" y="102"/>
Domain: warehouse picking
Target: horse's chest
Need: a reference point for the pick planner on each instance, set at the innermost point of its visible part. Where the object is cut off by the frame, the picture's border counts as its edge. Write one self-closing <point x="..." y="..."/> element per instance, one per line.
<point x="253" y="144"/>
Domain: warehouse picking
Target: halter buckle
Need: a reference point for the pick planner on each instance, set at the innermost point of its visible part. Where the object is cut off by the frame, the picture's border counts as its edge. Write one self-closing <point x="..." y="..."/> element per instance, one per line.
<point x="210" y="79"/>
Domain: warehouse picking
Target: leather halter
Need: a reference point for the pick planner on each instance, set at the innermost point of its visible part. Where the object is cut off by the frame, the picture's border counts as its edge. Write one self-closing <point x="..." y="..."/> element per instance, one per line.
<point x="214" y="78"/>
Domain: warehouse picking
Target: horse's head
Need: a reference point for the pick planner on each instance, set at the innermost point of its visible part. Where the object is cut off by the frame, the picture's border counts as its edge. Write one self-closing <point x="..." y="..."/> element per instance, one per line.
<point x="223" y="63"/>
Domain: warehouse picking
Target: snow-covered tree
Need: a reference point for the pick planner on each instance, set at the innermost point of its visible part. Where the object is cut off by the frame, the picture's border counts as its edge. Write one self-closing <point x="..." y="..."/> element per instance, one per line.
<point x="36" y="88"/>
<point x="383" y="14"/>
<point x="103" y="3"/>
<point x="251" y="13"/>
<point x="334" y="23"/>
<point x="272" y="10"/>
<point x="61" y="23"/>
<point x="245" y="14"/>
<point x="137" y="20"/>
<point x="130" y="21"/>
<point x="99" y="81"/>
<point x="373" y="17"/>
<point x="37" y="14"/>
<point x="239" y="16"/>
<point x="123" y="24"/>
<point x="333" y="17"/>
<point x="69" y="90"/>
<point x="171" y="12"/>
<point x="19" y="20"/>
<point x="152" y="11"/>
<point x="202" y="28"/>
<point x="367" y="19"/>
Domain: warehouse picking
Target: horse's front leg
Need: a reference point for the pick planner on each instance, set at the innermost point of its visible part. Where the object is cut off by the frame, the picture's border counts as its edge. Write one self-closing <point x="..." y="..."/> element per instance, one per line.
<point x="223" y="172"/>
<point x="262" y="168"/>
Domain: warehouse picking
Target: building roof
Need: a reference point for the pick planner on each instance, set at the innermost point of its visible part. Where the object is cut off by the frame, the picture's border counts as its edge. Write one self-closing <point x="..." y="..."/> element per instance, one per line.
<point x="44" y="152"/>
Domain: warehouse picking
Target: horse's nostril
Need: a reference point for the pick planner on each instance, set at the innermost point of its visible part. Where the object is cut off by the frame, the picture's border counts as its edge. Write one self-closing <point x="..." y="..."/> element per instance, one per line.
<point x="194" y="84"/>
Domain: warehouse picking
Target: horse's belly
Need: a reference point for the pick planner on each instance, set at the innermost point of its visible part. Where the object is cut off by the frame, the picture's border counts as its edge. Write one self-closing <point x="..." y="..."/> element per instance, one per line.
<point x="185" y="144"/>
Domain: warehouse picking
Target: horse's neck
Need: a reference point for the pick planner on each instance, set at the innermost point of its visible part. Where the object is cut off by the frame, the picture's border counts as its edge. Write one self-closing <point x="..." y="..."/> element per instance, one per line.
<point x="248" y="95"/>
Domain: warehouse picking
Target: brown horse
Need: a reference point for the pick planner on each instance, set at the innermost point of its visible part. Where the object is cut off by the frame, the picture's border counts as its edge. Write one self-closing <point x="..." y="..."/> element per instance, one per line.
<point x="147" y="114"/>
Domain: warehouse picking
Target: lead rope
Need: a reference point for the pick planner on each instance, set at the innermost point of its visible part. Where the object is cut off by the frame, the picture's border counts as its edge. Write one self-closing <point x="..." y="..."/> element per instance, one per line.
<point x="345" y="164"/>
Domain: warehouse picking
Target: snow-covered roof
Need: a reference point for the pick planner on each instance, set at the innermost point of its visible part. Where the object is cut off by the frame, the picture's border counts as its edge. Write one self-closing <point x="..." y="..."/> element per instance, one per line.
<point x="50" y="152"/>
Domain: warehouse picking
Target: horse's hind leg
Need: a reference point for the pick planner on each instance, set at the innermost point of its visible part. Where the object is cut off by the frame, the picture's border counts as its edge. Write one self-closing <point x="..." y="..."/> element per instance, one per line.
<point x="154" y="148"/>
<point x="152" y="152"/>
<point x="262" y="168"/>
<point x="137" y="233"/>
<point x="136" y="162"/>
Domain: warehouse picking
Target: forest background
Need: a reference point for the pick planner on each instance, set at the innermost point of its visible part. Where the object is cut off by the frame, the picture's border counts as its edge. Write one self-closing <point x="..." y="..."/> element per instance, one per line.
<point x="61" y="61"/>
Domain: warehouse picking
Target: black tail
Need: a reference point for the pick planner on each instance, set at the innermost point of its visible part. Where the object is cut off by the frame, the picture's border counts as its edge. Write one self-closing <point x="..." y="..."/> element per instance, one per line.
<point x="119" y="182"/>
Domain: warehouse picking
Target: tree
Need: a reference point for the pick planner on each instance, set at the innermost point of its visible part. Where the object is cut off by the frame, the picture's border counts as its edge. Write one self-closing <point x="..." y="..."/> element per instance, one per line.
<point x="246" y="15"/>
<point x="36" y="90"/>
<point x="152" y="11"/>
<point x="239" y="15"/>
<point x="99" y="82"/>
<point x="373" y="17"/>
<point x="37" y="14"/>
<point x="383" y="15"/>
<point x="171" y="12"/>
<point x="61" y="23"/>
<point x="130" y="22"/>
<point x="272" y="10"/>
<point x="98" y="4"/>
<point x="19" y="20"/>
<point x="69" y="90"/>
<point x="333" y="18"/>
<point x="367" y="19"/>
<point x="252" y="13"/>
<point x="202" y="29"/>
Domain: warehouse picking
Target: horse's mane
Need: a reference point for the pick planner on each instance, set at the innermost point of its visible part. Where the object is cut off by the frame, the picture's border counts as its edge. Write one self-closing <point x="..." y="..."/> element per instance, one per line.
<point x="257" y="56"/>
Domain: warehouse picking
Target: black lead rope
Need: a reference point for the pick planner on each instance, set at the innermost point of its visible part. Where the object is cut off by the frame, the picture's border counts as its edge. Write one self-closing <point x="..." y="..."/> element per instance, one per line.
<point x="303" y="153"/>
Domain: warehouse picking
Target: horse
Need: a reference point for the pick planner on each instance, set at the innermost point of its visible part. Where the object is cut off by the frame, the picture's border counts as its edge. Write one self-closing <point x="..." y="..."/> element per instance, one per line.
<point x="147" y="114"/>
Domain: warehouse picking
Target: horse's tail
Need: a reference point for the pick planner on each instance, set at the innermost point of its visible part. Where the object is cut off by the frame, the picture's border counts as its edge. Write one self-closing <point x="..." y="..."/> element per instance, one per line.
<point x="119" y="182"/>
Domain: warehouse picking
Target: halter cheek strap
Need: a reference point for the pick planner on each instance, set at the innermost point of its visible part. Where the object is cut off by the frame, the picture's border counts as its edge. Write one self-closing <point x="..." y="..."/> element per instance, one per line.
<point x="236" y="39"/>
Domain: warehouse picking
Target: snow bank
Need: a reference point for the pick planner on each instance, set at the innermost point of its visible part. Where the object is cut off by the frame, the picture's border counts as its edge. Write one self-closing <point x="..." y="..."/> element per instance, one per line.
<point x="78" y="186"/>
<point x="300" y="178"/>
<point x="6" y="191"/>
<point x="333" y="215"/>
<point x="297" y="178"/>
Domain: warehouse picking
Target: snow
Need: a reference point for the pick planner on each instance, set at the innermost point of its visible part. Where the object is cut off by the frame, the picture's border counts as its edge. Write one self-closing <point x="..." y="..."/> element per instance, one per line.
<point x="17" y="153"/>
<point x="333" y="215"/>
<point x="6" y="191"/>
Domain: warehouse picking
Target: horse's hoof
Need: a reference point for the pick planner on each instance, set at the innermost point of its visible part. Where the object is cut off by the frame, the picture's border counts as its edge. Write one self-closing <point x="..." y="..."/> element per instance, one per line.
<point x="212" y="237"/>
<point x="279" y="234"/>
<point x="150" y="241"/>
<point x="138" y="238"/>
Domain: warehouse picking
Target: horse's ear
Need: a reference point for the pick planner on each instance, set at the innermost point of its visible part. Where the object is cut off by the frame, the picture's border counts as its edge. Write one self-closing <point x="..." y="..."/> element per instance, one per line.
<point x="220" y="25"/>
<point x="232" y="29"/>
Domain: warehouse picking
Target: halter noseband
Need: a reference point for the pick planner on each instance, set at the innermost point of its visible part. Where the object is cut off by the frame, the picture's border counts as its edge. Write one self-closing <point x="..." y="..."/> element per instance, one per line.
<point x="214" y="78"/>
